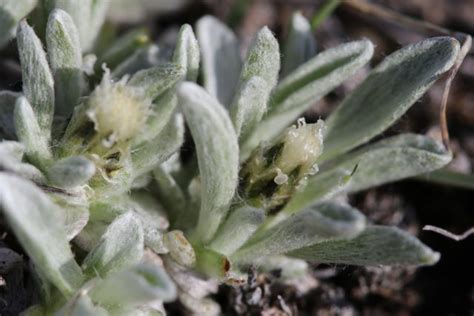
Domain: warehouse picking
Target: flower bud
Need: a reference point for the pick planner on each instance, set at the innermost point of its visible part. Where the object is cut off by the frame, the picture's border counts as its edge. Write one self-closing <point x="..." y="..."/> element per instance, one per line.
<point x="271" y="174"/>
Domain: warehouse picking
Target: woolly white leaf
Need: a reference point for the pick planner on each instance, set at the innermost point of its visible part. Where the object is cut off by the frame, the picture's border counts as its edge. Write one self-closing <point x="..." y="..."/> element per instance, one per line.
<point x="321" y="222"/>
<point x="161" y="113"/>
<point x="155" y="81"/>
<point x="80" y="305"/>
<point x="187" y="53"/>
<point x="71" y="172"/>
<point x="300" y="45"/>
<point x="148" y="155"/>
<point x="389" y="90"/>
<point x="221" y="62"/>
<point x="306" y="85"/>
<point x="237" y="229"/>
<point x="388" y="160"/>
<point x="262" y="63"/>
<point x="11" y="155"/>
<point x="134" y="287"/>
<point x="217" y="152"/>
<point x="120" y="247"/>
<point x="65" y="58"/>
<point x="32" y="217"/>
<point x="38" y="83"/>
<point x="375" y="246"/>
<point x="11" y="12"/>
<point x="30" y="133"/>
<point x="249" y="106"/>
<point x="72" y="211"/>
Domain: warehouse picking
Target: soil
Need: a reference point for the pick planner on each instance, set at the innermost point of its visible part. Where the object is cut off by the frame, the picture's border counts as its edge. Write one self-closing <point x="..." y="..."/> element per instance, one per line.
<point x="444" y="289"/>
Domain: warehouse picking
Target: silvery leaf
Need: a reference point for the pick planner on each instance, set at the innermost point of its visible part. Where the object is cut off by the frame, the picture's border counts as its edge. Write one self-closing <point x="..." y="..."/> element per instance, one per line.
<point x="65" y="59"/>
<point x="148" y="155"/>
<point x="11" y="156"/>
<point x="120" y="247"/>
<point x="217" y="152"/>
<point x="31" y="134"/>
<point x="81" y="305"/>
<point x="88" y="16"/>
<point x="161" y="113"/>
<point x="262" y="63"/>
<point x="263" y="59"/>
<point x="387" y="93"/>
<point x="155" y="81"/>
<point x="72" y="211"/>
<point x="307" y="85"/>
<point x="388" y="160"/>
<point x="376" y="245"/>
<point x="187" y="53"/>
<point x="71" y="172"/>
<point x="11" y="12"/>
<point x="38" y="83"/>
<point x="249" y="106"/>
<point x="300" y="45"/>
<point x="221" y="62"/>
<point x="321" y="222"/>
<point x="134" y="287"/>
<point x="237" y="229"/>
<point x="31" y="216"/>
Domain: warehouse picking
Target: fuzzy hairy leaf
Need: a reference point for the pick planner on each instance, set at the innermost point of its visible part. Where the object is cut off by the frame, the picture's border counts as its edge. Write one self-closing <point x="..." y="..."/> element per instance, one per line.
<point x="11" y="156"/>
<point x="221" y="62"/>
<point x="306" y="85"/>
<point x="157" y="80"/>
<point x="38" y="83"/>
<point x="71" y="172"/>
<point x="322" y="222"/>
<point x="387" y="93"/>
<point x="262" y="64"/>
<point x="388" y="160"/>
<point x="134" y="287"/>
<point x="65" y="59"/>
<point x="249" y="106"/>
<point x="217" y="152"/>
<point x="161" y="112"/>
<point x="263" y="59"/>
<point x="148" y="155"/>
<point x="237" y="229"/>
<point x="81" y="305"/>
<point x="120" y="247"/>
<point x="187" y="53"/>
<point x="72" y="211"/>
<point x="300" y="45"/>
<point x="31" y="135"/>
<point x="32" y="217"/>
<point x="375" y="246"/>
<point x="88" y="16"/>
<point x="11" y="12"/>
